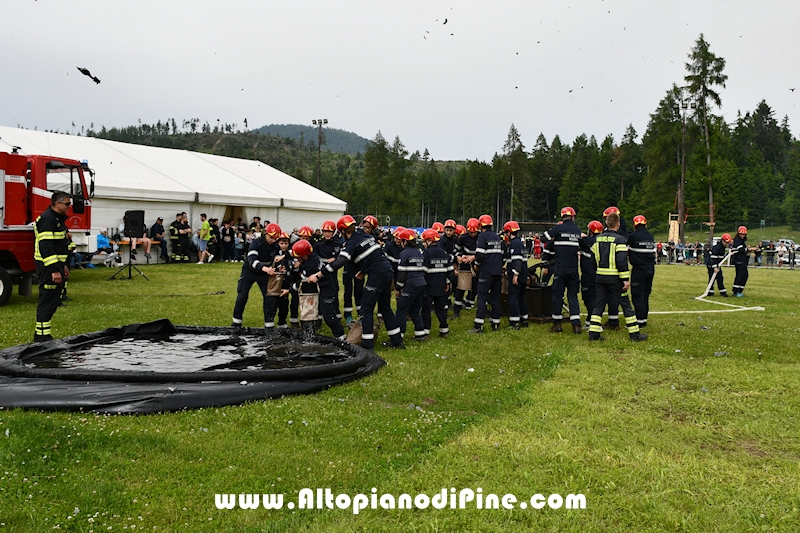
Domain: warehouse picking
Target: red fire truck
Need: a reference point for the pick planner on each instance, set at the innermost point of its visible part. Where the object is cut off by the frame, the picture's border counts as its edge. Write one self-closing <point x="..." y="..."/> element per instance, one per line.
<point x="26" y="184"/>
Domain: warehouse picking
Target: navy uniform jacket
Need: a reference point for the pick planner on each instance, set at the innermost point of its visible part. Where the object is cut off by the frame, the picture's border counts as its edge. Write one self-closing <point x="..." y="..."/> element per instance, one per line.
<point x="717" y="254"/>
<point x="309" y="267"/>
<point x="563" y="245"/>
<point x="364" y="252"/>
<point x="516" y="261"/>
<point x="410" y="271"/>
<point x="741" y="255"/>
<point x="466" y="245"/>
<point x="642" y="250"/>
<point x="392" y="252"/>
<point x="259" y="255"/>
<point x="587" y="261"/>
<point x="448" y="245"/>
<point x="489" y="253"/>
<point x="438" y="269"/>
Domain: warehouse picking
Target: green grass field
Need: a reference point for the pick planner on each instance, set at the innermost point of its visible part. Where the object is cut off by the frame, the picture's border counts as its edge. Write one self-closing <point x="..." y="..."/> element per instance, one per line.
<point x="696" y="429"/>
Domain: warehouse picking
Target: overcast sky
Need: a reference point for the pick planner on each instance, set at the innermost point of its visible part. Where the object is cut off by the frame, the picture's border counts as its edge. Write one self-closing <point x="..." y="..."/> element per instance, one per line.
<point x="554" y="67"/>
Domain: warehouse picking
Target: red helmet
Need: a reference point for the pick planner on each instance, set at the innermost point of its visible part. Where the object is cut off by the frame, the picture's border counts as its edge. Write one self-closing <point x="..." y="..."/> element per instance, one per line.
<point x="438" y="226"/>
<point x="460" y="230"/>
<point x="473" y="224"/>
<point x="511" y="226"/>
<point x="742" y="230"/>
<point x="639" y="219"/>
<point x="408" y="235"/>
<point x="430" y="235"/>
<point x="609" y="210"/>
<point x="306" y="231"/>
<point x="371" y="220"/>
<point x="329" y="225"/>
<point x="345" y="222"/>
<point x="450" y="223"/>
<point x="568" y="212"/>
<point x="485" y="220"/>
<point x="595" y="227"/>
<point x="398" y="231"/>
<point x="726" y="237"/>
<point x="283" y="236"/>
<point x="273" y="230"/>
<point x="301" y="248"/>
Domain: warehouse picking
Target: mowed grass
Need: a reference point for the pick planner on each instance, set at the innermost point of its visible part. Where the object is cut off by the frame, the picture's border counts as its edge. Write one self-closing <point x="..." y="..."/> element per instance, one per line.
<point x="694" y="430"/>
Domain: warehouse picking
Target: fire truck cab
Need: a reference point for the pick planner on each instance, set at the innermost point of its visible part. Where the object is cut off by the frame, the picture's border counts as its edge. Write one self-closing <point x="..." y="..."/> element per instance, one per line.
<point x="26" y="184"/>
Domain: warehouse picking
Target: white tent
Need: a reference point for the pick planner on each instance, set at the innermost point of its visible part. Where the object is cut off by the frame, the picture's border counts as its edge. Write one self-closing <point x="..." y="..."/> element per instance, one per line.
<point x="162" y="182"/>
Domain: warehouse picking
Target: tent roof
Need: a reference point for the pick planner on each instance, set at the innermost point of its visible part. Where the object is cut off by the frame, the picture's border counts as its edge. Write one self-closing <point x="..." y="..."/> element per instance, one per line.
<point x="137" y="172"/>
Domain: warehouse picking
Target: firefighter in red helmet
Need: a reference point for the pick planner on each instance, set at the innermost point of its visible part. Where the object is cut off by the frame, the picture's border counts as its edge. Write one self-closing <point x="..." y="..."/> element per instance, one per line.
<point x="642" y="257"/>
<point x="561" y="254"/>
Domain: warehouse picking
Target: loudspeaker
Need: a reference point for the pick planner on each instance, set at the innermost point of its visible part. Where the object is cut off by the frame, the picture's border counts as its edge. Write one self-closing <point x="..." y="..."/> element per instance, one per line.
<point x="134" y="224"/>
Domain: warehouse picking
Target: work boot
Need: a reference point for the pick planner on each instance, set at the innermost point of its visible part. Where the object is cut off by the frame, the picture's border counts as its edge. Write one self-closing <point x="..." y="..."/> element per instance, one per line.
<point x="523" y="323"/>
<point x="598" y="338"/>
<point x="577" y="329"/>
<point x="401" y="346"/>
<point x="443" y="335"/>
<point x="515" y="326"/>
<point x="495" y="326"/>
<point x="638" y="337"/>
<point x="236" y="325"/>
<point x="456" y="311"/>
<point x="42" y="338"/>
<point x="611" y="327"/>
<point x="556" y="327"/>
<point x="476" y="330"/>
<point x="270" y="333"/>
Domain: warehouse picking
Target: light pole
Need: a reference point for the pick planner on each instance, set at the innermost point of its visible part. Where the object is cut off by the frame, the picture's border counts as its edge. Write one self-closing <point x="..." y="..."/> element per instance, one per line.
<point x="319" y="122"/>
<point x="681" y="110"/>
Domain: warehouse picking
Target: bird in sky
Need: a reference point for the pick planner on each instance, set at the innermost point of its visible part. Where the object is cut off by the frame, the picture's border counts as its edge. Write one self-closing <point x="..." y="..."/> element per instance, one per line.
<point x="86" y="72"/>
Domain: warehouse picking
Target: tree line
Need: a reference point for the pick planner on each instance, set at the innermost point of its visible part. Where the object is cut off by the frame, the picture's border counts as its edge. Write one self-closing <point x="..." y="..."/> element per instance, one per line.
<point x="689" y="162"/>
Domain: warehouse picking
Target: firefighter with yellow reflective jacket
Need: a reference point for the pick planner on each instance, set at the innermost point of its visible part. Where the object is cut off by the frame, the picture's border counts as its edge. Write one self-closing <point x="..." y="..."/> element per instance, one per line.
<point x="51" y="252"/>
<point x="610" y="252"/>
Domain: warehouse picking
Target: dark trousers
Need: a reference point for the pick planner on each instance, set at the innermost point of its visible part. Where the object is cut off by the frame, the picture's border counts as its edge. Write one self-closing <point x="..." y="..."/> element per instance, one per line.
<point x="294" y="307"/>
<point x="719" y="281"/>
<point x="489" y="287"/>
<point x="49" y="298"/>
<point x="243" y="293"/>
<point x="589" y="294"/>
<point x="572" y="284"/>
<point x="607" y="292"/>
<point x="518" y="308"/>
<point x="228" y="251"/>
<point x="378" y="291"/>
<point x="283" y="310"/>
<point x="329" y="310"/>
<point x="439" y="306"/>
<point x="741" y="278"/>
<point x="352" y="287"/>
<point x="409" y="303"/>
<point x="641" y="287"/>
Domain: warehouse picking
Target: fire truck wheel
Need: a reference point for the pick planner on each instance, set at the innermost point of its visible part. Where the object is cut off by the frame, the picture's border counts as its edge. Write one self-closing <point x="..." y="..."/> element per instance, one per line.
<point x="5" y="286"/>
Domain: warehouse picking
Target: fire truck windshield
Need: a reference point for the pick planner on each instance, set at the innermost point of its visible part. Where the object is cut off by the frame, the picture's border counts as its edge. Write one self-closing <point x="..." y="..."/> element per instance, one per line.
<point x="66" y="179"/>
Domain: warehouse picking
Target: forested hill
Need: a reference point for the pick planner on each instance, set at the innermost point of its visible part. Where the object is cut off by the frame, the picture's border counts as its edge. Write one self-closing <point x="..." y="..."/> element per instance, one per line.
<point x="334" y="140"/>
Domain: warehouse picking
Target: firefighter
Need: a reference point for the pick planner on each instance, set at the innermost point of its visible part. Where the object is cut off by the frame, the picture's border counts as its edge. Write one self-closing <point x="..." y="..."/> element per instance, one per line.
<point x="393" y="249"/>
<point x="561" y="253"/>
<point x="741" y="256"/>
<point x="411" y="286"/>
<point x="589" y="269"/>
<point x="613" y="307"/>
<point x="517" y="269"/>
<point x="366" y="254"/>
<point x="174" y="238"/>
<point x="184" y="237"/>
<point x="465" y="257"/>
<point x="285" y="263"/>
<point x="447" y="242"/>
<point x="258" y="266"/>
<point x="328" y="248"/>
<point x="50" y="253"/>
<point x="714" y="264"/>
<point x="642" y="256"/>
<point x="489" y="265"/>
<point x="613" y="279"/>
<point x="438" y="269"/>
<point x="354" y="287"/>
<point x="310" y="263"/>
<point x="438" y="227"/>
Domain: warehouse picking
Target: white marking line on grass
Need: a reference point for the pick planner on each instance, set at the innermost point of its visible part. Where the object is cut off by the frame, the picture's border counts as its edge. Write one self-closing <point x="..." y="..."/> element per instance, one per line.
<point x="700" y="298"/>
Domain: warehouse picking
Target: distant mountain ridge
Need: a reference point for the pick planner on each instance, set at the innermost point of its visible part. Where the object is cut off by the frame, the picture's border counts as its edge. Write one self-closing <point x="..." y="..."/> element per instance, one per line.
<point x="334" y="140"/>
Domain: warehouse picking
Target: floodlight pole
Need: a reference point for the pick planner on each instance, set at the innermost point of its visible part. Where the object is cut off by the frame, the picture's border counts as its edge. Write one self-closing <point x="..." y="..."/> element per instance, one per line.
<point x="319" y="122"/>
